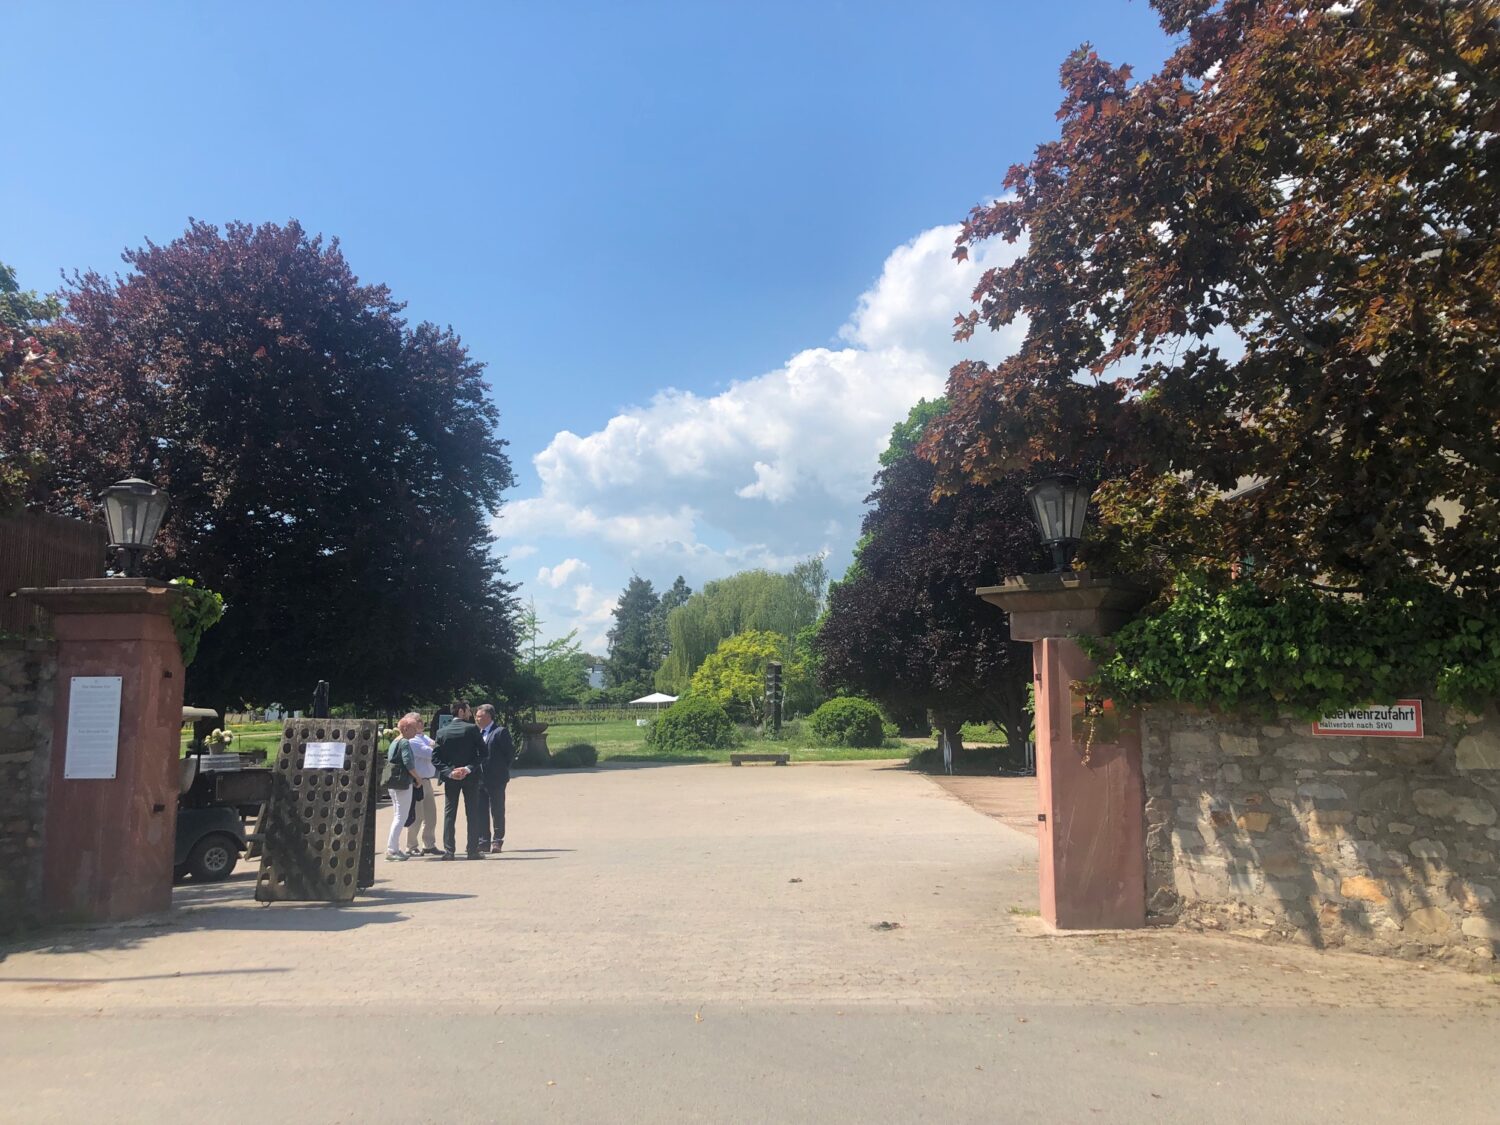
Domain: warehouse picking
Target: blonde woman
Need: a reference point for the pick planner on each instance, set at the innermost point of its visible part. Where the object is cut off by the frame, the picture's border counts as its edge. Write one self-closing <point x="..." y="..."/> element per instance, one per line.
<point x="403" y="775"/>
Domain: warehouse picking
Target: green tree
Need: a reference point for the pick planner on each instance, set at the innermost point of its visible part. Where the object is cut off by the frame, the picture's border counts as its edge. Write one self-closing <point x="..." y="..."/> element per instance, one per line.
<point x="675" y="595"/>
<point x="634" y="646"/>
<point x="734" y="674"/>
<point x="332" y="468"/>
<point x="554" y="672"/>
<point x="906" y="434"/>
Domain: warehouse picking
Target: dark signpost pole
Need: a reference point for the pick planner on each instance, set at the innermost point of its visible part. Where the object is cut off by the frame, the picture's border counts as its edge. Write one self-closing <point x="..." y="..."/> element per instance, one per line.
<point x="320" y="700"/>
<point x="773" y="695"/>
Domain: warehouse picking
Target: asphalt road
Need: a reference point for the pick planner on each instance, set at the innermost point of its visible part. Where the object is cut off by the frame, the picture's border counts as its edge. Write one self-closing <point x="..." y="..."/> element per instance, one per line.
<point x="822" y="943"/>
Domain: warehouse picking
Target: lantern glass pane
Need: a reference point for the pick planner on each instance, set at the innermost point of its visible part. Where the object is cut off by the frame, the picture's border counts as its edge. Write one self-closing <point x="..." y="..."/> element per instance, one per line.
<point x="1075" y="511"/>
<point x="152" y="511"/>
<point x="133" y="510"/>
<point x="1046" y="501"/>
<point x="114" y="517"/>
<point x="1061" y="507"/>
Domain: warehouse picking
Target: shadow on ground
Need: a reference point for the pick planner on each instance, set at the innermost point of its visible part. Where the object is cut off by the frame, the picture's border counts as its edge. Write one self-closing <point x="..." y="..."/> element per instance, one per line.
<point x="65" y="983"/>
<point x="630" y="762"/>
<point x="229" y="905"/>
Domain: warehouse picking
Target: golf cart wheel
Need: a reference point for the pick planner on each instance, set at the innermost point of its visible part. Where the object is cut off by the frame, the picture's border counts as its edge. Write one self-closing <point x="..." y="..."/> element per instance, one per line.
<point x="213" y="858"/>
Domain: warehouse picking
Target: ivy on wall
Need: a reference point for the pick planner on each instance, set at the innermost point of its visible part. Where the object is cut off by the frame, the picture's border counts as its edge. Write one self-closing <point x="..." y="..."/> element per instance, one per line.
<point x="193" y="614"/>
<point x="1301" y="649"/>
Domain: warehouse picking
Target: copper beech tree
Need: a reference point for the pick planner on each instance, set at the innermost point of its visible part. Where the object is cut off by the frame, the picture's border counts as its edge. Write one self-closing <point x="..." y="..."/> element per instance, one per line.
<point x="32" y="349"/>
<point x="1273" y="261"/>
<point x="332" y="468"/>
<point x="904" y="627"/>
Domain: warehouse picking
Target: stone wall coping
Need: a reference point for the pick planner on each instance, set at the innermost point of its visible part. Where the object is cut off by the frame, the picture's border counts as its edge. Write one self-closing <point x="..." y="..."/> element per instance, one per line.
<point x="1068" y="604"/>
<point x="104" y="595"/>
<point x="27" y="644"/>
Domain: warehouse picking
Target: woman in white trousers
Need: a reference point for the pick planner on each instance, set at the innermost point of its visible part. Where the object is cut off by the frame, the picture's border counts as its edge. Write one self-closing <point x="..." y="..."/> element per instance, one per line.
<point x="403" y="768"/>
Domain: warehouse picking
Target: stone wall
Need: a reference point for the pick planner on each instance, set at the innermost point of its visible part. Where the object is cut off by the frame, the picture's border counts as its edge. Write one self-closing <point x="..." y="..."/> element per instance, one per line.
<point x="1383" y="845"/>
<point x="27" y="671"/>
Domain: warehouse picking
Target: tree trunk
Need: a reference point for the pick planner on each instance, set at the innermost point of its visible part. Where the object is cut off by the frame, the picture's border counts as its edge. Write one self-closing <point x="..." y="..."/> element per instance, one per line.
<point x="1010" y="714"/>
<point x="952" y="727"/>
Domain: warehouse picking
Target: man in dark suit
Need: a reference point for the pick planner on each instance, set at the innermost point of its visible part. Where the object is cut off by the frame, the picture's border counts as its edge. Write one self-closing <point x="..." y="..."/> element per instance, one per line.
<point x="500" y="751"/>
<point x="459" y="757"/>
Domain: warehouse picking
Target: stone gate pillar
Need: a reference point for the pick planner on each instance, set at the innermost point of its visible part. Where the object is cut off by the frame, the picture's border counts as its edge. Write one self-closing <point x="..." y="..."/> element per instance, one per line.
<point x="1090" y="785"/>
<point x="111" y="811"/>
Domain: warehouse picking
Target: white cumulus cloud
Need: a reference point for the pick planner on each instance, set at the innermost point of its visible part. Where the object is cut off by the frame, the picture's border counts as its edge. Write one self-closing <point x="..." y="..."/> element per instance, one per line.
<point x="591" y="613"/>
<point x="773" y="468"/>
<point x="559" y="575"/>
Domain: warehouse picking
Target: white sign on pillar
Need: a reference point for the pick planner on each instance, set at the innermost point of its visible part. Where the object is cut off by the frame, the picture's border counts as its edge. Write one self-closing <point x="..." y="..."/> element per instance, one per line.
<point x="93" y="738"/>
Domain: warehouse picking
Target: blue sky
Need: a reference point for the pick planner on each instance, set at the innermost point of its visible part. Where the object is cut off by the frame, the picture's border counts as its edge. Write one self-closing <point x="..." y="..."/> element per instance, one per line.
<point x="699" y="245"/>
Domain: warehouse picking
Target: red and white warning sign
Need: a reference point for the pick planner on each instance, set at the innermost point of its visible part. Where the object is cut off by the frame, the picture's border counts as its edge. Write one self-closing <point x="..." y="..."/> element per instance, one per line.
<point x="1402" y="719"/>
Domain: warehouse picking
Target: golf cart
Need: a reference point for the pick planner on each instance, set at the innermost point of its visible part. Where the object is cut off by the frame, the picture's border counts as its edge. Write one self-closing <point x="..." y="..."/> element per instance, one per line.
<point x="216" y="792"/>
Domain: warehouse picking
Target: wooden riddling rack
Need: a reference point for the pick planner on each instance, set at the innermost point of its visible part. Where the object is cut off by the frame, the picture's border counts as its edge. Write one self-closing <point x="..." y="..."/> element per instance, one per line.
<point x="317" y="835"/>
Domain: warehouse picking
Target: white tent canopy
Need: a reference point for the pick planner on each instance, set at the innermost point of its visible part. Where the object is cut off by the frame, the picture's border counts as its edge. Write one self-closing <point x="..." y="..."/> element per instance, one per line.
<point x="654" y="697"/>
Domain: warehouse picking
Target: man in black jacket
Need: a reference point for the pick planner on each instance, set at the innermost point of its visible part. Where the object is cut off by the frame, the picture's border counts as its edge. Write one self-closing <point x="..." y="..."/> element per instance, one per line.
<point x="459" y="757"/>
<point x="500" y="749"/>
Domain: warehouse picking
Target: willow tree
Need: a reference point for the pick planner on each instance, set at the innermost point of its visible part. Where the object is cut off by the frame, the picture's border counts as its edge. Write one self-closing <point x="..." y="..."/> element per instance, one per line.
<point x="762" y="600"/>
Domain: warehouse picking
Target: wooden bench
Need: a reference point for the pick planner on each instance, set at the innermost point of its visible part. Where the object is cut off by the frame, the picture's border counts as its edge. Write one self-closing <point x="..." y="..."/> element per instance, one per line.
<point x="774" y="759"/>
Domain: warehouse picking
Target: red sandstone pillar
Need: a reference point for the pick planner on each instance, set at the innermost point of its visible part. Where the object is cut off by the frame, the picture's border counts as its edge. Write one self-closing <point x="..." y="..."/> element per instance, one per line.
<point x="1093" y="840"/>
<point x="1092" y="793"/>
<point x="108" y="841"/>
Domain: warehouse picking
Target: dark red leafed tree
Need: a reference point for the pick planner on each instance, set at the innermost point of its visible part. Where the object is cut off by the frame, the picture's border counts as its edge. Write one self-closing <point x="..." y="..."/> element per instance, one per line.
<point x="333" y="470"/>
<point x="1275" y="260"/>
<point x="32" y="351"/>
<point x="905" y="627"/>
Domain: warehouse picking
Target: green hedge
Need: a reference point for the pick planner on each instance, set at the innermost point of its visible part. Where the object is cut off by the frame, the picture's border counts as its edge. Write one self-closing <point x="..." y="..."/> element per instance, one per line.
<point x="578" y="755"/>
<point x="690" y="725"/>
<point x="1301" y="649"/>
<point x="846" y="721"/>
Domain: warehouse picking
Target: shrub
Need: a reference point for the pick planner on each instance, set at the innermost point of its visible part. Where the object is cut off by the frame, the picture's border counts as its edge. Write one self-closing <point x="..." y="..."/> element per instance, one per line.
<point x="987" y="733"/>
<point x="792" y="730"/>
<point x="986" y="761"/>
<point x="195" y="611"/>
<point x="846" y="721"/>
<point x="578" y="755"/>
<point x="690" y="725"/>
<point x="1302" y="649"/>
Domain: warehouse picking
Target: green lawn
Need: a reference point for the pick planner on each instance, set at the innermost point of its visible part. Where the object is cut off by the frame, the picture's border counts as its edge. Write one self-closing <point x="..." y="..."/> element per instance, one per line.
<point x="622" y="740"/>
<point x="248" y="737"/>
<point x="618" y="739"/>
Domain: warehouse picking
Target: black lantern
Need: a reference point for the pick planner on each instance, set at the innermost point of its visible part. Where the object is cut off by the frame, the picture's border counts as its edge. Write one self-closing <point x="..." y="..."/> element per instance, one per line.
<point x="1059" y="505"/>
<point x="133" y="510"/>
